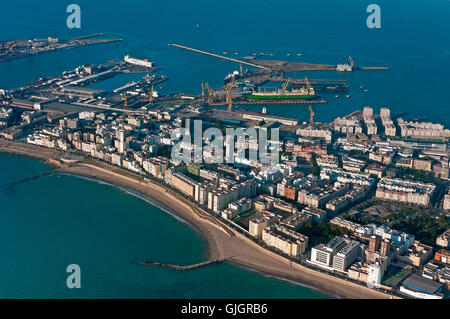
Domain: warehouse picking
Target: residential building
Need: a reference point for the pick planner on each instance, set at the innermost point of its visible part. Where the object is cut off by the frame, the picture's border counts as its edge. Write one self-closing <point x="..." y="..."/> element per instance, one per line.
<point x="287" y="241"/>
<point x="406" y="191"/>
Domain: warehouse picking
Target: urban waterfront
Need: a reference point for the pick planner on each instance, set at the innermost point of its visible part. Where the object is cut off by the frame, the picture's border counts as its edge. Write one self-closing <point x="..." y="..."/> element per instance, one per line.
<point x="358" y="175"/>
<point x="324" y="32"/>
<point x="58" y="220"/>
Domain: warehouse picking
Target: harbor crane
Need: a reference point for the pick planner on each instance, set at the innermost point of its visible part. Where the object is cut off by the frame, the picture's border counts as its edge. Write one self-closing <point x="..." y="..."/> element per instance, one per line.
<point x="203" y="90"/>
<point x="352" y="63"/>
<point x="150" y="100"/>
<point x="308" y="85"/>
<point x="286" y="84"/>
<point x="125" y="102"/>
<point x="311" y="115"/>
<point x="210" y="93"/>
<point x="229" y="101"/>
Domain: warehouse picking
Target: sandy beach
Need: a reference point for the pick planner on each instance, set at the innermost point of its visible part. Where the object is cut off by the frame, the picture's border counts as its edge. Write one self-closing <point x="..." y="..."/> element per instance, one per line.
<point x="221" y="241"/>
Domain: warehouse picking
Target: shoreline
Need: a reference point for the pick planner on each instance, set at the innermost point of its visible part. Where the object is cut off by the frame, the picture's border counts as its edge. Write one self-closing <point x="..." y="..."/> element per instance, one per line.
<point x="218" y="242"/>
<point x="152" y="202"/>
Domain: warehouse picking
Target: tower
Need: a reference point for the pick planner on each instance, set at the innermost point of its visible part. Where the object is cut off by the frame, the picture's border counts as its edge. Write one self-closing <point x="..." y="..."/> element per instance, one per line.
<point x="122" y="143"/>
<point x="385" y="247"/>
<point x="374" y="243"/>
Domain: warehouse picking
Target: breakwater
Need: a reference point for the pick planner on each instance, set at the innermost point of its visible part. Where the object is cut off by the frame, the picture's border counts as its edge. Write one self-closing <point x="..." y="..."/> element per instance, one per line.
<point x="181" y="268"/>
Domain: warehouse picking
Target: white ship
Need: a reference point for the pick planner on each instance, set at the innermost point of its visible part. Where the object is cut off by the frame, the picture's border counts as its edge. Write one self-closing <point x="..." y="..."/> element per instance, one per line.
<point x="145" y="62"/>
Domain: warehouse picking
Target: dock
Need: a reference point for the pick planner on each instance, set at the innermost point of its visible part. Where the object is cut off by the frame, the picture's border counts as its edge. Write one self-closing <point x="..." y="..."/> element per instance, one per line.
<point x="268" y="101"/>
<point x="372" y="68"/>
<point x="182" y="268"/>
<point x="87" y="36"/>
<point x="220" y="56"/>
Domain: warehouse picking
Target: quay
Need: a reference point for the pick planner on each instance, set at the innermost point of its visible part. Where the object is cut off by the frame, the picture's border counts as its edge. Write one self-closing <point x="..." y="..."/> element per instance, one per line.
<point x="219" y="56"/>
<point x="87" y="36"/>
<point x="274" y="101"/>
<point x="372" y="68"/>
<point x="182" y="268"/>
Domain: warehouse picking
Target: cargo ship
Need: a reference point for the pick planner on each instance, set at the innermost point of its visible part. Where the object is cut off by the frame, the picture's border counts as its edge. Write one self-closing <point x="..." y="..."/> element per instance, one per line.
<point x="281" y="94"/>
<point x="141" y="62"/>
<point x="304" y="93"/>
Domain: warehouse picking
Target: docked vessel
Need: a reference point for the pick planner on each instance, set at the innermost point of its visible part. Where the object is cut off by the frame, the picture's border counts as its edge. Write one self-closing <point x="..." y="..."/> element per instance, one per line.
<point x="305" y="92"/>
<point x="236" y="75"/>
<point x="141" y="62"/>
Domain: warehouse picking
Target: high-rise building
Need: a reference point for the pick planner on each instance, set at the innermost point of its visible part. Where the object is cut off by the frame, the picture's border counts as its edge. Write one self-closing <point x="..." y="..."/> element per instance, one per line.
<point x="375" y="273"/>
<point x="338" y="254"/>
<point x="122" y="142"/>
<point x="374" y="243"/>
<point x="346" y="255"/>
<point x="385" y="247"/>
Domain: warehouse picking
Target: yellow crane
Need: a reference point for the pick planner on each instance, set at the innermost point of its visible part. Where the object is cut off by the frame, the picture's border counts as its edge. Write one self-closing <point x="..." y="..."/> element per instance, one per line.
<point x="203" y="90"/>
<point x="240" y="68"/>
<point x="150" y="99"/>
<point x="286" y="84"/>
<point x="210" y="93"/>
<point x="311" y="115"/>
<point x="308" y="85"/>
<point x="229" y="101"/>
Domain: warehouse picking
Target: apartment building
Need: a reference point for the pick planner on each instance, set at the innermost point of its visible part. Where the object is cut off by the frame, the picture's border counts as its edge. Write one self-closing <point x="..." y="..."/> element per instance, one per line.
<point x="399" y="190"/>
<point x="287" y="241"/>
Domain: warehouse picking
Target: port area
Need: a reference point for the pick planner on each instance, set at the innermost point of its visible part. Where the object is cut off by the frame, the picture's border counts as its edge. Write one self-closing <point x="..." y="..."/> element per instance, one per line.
<point x="276" y="65"/>
<point x="240" y="87"/>
<point x="272" y="101"/>
<point x="288" y="66"/>
<point x="256" y="81"/>
<point x="16" y="49"/>
<point x="59" y="97"/>
<point x="74" y="91"/>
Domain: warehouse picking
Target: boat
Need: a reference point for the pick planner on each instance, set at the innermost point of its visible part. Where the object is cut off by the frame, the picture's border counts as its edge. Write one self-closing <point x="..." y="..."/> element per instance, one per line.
<point x="141" y="62"/>
<point x="304" y="93"/>
<point x="236" y="75"/>
<point x="280" y="94"/>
